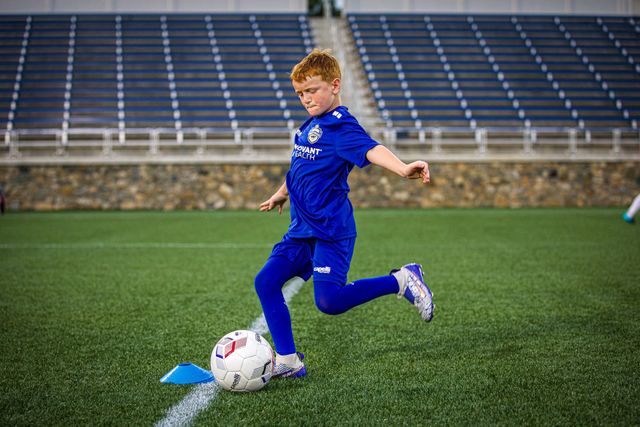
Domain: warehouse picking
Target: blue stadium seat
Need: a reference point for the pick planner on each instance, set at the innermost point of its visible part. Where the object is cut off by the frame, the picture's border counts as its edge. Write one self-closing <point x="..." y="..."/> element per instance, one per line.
<point x="499" y="71"/>
<point x="132" y="72"/>
<point x="138" y="71"/>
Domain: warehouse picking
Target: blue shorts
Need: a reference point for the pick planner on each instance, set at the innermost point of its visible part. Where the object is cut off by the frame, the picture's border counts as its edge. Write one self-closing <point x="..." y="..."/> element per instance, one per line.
<point x="327" y="261"/>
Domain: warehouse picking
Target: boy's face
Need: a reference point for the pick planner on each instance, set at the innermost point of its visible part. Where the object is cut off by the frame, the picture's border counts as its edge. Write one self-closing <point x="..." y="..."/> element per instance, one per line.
<point x="318" y="96"/>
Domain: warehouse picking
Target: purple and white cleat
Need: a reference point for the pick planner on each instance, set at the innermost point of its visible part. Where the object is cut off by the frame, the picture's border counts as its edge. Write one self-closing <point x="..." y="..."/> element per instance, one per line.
<point x="289" y="366"/>
<point x="411" y="277"/>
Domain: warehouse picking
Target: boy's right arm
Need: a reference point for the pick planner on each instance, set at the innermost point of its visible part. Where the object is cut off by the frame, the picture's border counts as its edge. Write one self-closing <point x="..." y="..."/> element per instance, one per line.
<point x="382" y="156"/>
<point x="278" y="199"/>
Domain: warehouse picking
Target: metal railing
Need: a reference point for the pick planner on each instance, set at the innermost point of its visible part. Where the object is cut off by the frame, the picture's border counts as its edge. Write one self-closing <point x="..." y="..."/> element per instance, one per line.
<point x="255" y="144"/>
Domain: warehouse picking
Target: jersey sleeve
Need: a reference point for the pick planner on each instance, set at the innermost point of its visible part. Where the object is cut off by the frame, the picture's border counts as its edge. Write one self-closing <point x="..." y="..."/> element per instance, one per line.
<point x="353" y="143"/>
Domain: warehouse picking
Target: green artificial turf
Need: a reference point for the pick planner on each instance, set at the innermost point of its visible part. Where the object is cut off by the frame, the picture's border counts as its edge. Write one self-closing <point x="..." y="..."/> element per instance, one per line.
<point x="537" y="319"/>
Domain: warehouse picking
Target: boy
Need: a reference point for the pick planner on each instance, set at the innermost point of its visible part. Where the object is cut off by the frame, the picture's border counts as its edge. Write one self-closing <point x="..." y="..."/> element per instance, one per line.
<point x="322" y="232"/>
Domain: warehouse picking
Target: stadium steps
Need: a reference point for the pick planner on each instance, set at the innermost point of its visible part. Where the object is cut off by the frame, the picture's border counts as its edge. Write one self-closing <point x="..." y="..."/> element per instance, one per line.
<point x="356" y="92"/>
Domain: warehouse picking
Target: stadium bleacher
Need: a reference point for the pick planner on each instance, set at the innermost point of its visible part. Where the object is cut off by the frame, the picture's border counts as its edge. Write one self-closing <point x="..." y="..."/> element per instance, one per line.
<point x="491" y="71"/>
<point x="130" y="73"/>
<point x="128" y="77"/>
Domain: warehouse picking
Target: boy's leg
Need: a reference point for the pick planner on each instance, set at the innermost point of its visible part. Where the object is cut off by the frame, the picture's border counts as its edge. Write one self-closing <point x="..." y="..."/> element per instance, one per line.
<point x="268" y="283"/>
<point x="289" y="258"/>
<point x="332" y="298"/>
<point x="331" y="265"/>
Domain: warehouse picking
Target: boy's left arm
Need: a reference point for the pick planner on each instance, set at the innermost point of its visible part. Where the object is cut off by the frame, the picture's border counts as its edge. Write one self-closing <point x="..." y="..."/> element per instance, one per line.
<point x="383" y="157"/>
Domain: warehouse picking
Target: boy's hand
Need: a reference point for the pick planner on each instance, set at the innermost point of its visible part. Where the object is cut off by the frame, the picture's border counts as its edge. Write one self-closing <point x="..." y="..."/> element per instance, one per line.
<point x="418" y="170"/>
<point x="275" y="200"/>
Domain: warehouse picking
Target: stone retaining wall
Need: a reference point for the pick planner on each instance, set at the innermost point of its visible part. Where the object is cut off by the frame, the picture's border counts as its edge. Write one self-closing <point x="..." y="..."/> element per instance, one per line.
<point x="211" y="186"/>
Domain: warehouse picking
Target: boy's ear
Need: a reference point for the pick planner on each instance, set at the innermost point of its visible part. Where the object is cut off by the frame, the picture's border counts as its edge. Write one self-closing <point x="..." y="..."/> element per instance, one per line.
<point x="335" y="86"/>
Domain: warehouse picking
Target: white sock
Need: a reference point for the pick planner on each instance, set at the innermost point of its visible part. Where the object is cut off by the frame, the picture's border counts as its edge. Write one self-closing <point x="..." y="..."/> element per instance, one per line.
<point x="635" y="207"/>
<point x="402" y="287"/>
<point x="288" y="359"/>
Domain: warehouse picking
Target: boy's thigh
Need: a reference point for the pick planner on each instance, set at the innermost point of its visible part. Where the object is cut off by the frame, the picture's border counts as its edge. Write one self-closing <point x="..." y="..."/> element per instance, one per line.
<point x="299" y="252"/>
<point x="331" y="260"/>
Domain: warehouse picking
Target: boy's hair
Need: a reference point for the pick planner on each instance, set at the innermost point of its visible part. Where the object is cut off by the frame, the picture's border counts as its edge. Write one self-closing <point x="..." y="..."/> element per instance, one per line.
<point x="317" y="63"/>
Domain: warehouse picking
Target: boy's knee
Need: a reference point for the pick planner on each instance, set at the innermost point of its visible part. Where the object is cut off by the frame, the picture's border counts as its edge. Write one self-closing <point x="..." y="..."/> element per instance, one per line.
<point x="327" y="307"/>
<point x="261" y="283"/>
<point x="328" y="299"/>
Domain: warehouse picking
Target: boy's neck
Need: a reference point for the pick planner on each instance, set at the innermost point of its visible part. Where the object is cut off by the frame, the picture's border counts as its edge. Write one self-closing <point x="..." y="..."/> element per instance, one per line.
<point x="334" y="105"/>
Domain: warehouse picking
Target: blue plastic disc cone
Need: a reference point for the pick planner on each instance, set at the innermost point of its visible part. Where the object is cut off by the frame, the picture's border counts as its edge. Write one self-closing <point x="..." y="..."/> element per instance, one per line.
<point x="187" y="373"/>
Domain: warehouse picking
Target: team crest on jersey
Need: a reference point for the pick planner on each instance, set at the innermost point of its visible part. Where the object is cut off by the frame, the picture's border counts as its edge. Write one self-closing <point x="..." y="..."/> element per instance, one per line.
<point x="314" y="134"/>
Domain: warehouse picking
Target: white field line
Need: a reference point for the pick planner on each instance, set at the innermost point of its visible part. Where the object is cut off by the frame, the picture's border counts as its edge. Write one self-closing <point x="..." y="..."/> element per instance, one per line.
<point x="135" y="245"/>
<point x="201" y="396"/>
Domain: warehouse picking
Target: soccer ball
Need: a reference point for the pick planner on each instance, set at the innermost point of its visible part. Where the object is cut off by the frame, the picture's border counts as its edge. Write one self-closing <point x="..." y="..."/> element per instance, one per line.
<point x="242" y="361"/>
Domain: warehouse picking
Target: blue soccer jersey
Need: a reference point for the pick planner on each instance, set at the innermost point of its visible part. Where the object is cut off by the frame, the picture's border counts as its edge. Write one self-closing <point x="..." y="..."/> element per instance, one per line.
<point x="325" y="150"/>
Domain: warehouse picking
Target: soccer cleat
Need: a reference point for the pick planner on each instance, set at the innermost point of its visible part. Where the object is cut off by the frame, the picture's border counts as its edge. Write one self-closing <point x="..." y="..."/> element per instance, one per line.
<point x="411" y="277"/>
<point x="287" y="370"/>
<point x="628" y="219"/>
